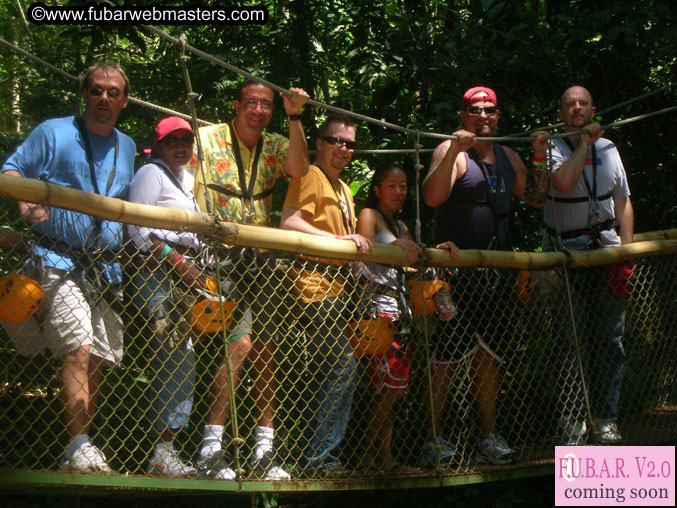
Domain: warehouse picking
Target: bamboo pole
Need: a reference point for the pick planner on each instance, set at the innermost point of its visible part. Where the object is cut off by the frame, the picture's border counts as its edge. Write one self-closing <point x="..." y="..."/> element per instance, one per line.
<point x="665" y="234"/>
<point x="38" y="191"/>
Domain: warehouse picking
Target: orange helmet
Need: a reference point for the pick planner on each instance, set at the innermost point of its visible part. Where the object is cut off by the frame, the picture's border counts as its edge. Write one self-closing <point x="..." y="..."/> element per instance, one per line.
<point x="525" y="283"/>
<point x="207" y="313"/>
<point x="20" y="297"/>
<point x="421" y="295"/>
<point x="211" y="284"/>
<point x="371" y="336"/>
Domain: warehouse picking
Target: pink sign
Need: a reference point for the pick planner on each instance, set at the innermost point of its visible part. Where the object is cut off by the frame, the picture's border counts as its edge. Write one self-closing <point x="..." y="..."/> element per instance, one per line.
<point x="615" y="476"/>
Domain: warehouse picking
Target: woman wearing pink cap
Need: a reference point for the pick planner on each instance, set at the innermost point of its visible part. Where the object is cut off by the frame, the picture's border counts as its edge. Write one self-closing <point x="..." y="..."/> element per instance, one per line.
<point x="167" y="271"/>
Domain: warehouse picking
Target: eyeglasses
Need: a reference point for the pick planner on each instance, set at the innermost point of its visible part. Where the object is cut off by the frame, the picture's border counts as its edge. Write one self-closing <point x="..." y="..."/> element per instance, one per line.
<point x="113" y="93"/>
<point x="338" y="142"/>
<point x="477" y="110"/>
<point x="173" y="141"/>
<point x="265" y="105"/>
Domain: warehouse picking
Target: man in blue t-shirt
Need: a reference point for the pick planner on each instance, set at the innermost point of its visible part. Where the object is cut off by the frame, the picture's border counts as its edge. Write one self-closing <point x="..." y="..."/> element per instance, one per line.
<point x="78" y="319"/>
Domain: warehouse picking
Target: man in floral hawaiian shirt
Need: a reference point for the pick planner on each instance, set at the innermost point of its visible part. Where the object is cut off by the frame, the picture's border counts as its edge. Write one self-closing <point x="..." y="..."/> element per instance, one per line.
<point x="242" y="163"/>
<point x="277" y="157"/>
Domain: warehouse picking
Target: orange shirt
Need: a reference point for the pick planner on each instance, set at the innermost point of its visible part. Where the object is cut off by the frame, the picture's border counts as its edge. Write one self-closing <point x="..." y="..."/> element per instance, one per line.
<point x="329" y="208"/>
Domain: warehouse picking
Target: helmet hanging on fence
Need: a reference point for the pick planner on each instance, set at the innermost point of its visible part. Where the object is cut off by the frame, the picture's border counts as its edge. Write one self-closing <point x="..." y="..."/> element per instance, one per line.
<point x="371" y="336"/>
<point x="421" y="295"/>
<point x="20" y="298"/>
<point x="525" y="285"/>
<point x="207" y="313"/>
<point x="211" y="284"/>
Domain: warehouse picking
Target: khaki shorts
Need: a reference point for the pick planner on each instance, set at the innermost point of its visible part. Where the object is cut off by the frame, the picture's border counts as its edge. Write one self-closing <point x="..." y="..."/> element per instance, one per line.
<point x="69" y="321"/>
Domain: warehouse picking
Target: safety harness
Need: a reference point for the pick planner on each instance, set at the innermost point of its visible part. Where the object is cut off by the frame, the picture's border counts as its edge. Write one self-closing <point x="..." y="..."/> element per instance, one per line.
<point x="247" y="187"/>
<point x="593" y="230"/>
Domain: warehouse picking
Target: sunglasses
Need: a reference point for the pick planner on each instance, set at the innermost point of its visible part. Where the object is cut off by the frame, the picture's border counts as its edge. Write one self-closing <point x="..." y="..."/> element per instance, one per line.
<point x="113" y="93"/>
<point x="173" y="141"/>
<point x="338" y="142"/>
<point x="477" y="110"/>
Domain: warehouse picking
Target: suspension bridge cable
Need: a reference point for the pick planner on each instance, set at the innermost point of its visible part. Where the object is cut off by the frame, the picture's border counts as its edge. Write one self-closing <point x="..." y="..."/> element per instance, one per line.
<point x="600" y="113"/>
<point x="71" y="77"/>
<point x="357" y="116"/>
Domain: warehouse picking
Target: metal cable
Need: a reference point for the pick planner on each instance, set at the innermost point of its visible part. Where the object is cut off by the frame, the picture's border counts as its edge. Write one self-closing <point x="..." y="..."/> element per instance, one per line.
<point x="312" y="102"/>
<point x="418" y="167"/>
<point x="608" y="110"/>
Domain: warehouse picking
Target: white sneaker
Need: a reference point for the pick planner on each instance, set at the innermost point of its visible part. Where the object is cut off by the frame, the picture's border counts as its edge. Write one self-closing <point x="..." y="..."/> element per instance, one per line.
<point x="88" y="459"/>
<point x="216" y="466"/>
<point x="270" y="465"/>
<point x="605" y="431"/>
<point x="448" y="454"/>
<point x="277" y="473"/>
<point x="573" y="433"/>
<point x="494" y="450"/>
<point x="169" y="463"/>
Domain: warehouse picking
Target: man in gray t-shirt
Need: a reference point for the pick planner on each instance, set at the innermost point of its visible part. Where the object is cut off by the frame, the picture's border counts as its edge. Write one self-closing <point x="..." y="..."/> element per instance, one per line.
<point x="590" y="198"/>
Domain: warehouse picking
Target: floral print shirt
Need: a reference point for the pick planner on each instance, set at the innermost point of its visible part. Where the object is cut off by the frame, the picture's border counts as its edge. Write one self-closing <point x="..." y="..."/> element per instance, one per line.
<point x="220" y="168"/>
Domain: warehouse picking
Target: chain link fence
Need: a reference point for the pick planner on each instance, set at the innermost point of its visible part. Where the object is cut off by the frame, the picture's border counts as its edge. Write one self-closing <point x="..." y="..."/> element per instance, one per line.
<point x="359" y="382"/>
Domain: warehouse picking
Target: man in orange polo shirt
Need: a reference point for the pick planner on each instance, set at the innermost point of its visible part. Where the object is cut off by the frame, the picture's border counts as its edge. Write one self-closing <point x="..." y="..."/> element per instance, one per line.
<point x="319" y="203"/>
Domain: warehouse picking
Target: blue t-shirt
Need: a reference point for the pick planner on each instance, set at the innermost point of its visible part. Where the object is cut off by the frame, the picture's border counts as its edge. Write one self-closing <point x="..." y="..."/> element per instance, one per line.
<point x="55" y="152"/>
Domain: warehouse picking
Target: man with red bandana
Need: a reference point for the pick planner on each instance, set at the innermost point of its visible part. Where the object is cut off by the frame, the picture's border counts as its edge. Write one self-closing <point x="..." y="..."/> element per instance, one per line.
<point x="470" y="183"/>
<point x="242" y="164"/>
<point x="590" y="197"/>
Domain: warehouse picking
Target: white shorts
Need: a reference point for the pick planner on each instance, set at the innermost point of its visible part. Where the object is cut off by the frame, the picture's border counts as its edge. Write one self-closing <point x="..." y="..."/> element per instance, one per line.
<point x="70" y="322"/>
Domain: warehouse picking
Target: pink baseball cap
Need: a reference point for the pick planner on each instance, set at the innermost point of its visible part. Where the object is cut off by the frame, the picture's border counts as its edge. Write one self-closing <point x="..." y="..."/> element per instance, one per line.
<point x="485" y="94"/>
<point x="171" y="124"/>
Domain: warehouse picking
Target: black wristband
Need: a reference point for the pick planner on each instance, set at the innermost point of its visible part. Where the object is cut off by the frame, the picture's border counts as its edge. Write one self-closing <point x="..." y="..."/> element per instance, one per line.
<point x="297" y="116"/>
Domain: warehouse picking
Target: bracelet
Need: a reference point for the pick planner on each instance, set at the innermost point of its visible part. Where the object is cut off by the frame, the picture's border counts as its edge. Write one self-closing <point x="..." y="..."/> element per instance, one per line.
<point x="297" y="116"/>
<point x="178" y="259"/>
<point x="540" y="159"/>
<point x="165" y="251"/>
<point x="540" y="163"/>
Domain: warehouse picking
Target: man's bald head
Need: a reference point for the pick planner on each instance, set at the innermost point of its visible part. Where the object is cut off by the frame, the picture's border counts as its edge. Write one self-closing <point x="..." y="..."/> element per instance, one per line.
<point x="576" y="108"/>
<point x="574" y="89"/>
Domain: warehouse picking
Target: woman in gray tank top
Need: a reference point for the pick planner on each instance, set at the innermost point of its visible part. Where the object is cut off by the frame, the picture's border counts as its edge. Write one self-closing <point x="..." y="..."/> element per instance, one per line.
<point x="389" y="372"/>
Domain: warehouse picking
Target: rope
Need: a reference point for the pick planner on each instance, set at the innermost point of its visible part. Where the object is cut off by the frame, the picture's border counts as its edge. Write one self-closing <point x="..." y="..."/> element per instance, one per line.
<point x="357" y="116"/>
<point x="429" y="366"/>
<point x="562" y="248"/>
<point x="71" y="77"/>
<point x="193" y="113"/>
<point x="165" y="111"/>
<point x="608" y="110"/>
<point x="312" y="102"/>
<point x="393" y="151"/>
<point x="418" y="167"/>
<point x="236" y="440"/>
<point x="613" y="125"/>
<point x="579" y="358"/>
